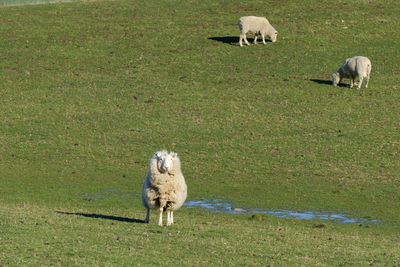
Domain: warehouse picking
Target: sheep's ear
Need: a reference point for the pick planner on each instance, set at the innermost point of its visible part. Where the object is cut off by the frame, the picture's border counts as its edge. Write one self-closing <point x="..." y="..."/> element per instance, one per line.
<point x="174" y="155"/>
<point x="157" y="154"/>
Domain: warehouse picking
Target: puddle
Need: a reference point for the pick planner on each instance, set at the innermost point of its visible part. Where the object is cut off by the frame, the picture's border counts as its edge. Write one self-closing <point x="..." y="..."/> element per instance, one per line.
<point x="92" y="197"/>
<point x="220" y="206"/>
<point x="119" y="193"/>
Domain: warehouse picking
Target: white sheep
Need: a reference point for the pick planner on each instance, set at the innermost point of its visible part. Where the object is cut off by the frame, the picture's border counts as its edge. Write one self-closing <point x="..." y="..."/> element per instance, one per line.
<point x="256" y="25"/>
<point x="353" y="67"/>
<point x="164" y="187"/>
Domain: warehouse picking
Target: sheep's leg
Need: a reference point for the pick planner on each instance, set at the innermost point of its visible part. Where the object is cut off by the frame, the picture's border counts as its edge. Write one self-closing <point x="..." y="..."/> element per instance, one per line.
<point x="147" y="216"/>
<point x="367" y="80"/>
<point x="361" y="77"/>
<point x="255" y="39"/>
<point x="351" y="82"/>
<point x="160" y="218"/>
<point x="263" y="38"/>
<point x="168" y="218"/>
<point x="172" y="217"/>
<point x="240" y="40"/>
<point x="245" y="39"/>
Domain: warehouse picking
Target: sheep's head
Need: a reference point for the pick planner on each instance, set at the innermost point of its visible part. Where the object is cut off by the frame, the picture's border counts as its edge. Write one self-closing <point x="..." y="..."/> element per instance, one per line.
<point x="274" y="36"/>
<point x="335" y="79"/>
<point x="164" y="160"/>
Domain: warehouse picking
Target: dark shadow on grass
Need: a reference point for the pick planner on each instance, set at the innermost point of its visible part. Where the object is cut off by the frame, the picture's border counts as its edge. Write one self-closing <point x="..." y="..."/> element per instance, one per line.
<point x="321" y="81"/>
<point x="328" y="82"/>
<point x="232" y="40"/>
<point x="101" y="216"/>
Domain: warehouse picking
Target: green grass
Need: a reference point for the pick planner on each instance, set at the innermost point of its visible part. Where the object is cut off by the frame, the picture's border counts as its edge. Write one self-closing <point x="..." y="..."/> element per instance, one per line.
<point x="91" y="89"/>
<point x="38" y="236"/>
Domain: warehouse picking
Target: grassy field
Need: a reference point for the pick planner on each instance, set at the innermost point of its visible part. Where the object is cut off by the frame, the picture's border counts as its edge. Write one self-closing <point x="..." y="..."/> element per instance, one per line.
<point x="91" y="89"/>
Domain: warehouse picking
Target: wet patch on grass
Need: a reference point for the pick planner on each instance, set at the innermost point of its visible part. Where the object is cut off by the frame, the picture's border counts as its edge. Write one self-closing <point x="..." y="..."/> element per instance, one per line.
<point x="221" y="206"/>
<point x="32" y="2"/>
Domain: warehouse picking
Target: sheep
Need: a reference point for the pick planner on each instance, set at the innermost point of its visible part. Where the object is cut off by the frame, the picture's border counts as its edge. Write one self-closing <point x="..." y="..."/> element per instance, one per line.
<point x="351" y="68"/>
<point x="164" y="187"/>
<point x="256" y="25"/>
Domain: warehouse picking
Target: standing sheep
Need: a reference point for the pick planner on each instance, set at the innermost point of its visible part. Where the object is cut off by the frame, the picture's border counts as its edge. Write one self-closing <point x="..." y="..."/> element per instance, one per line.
<point x="164" y="187"/>
<point x="256" y="25"/>
<point x="353" y="67"/>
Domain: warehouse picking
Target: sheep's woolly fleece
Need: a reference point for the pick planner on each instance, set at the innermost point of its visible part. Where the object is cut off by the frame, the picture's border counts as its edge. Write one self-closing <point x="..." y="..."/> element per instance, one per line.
<point x="164" y="187"/>
<point x="256" y="25"/>
<point x="357" y="66"/>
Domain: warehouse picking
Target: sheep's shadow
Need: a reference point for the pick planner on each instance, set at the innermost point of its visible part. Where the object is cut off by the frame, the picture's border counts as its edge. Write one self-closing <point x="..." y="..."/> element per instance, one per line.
<point x="328" y="82"/>
<point x="101" y="216"/>
<point x="234" y="40"/>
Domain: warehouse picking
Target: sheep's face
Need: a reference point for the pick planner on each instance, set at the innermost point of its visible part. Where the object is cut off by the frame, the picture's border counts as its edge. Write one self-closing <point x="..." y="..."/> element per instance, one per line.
<point x="274" y="36"/>
<point x="164" y="161"/>
<point x="335" y="79"/>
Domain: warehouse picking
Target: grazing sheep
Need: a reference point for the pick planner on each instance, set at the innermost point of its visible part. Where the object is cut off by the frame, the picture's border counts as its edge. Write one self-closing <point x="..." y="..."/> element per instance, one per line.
<point x="256" y="25"/>
<point x="164" y="187"/>
<point x="353" y="67"/>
